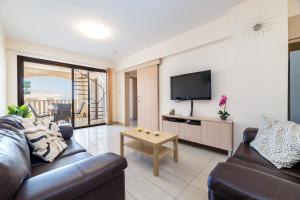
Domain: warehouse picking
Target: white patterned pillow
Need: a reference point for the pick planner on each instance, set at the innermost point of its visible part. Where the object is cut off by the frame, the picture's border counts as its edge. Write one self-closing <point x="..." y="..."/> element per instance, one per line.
<point x="27" y="123"/>
<point x="278" y="142"/>
<point x="47" y="144"/>
<point x="267" y="123"/>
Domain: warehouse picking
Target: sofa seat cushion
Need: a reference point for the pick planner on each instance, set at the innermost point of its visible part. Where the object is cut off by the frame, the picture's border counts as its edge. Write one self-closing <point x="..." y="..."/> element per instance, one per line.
<point x="60" y="162"/>
<point x="73" y="147"/>
<point x="272" y="171"/>
<point x="294" y="171"/>
<point x="232" y="181"/>
<point x="245" y="152"/>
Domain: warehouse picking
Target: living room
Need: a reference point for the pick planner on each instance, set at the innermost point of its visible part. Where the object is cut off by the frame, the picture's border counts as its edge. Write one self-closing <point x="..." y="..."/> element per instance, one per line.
<point x="149" y="99"/>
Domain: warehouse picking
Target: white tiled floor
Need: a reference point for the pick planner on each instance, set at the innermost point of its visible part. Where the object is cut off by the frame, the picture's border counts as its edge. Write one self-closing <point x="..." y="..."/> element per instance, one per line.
<point x="185" y="180"/>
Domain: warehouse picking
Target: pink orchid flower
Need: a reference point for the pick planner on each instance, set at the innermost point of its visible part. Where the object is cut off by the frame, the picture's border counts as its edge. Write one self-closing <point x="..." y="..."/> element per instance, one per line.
<point x="223" y="101"/>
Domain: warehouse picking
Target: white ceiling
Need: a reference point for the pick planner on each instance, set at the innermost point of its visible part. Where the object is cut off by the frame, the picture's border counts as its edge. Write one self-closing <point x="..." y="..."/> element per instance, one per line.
<point x="135" y="24"/>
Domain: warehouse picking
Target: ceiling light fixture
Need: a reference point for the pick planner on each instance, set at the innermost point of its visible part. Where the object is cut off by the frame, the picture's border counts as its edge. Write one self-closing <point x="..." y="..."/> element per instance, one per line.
<point x="94" y="30"/>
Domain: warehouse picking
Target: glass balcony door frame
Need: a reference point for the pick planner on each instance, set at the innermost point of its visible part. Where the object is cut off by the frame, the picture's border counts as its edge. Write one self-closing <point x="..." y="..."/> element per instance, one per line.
<point x="20" y="81"/>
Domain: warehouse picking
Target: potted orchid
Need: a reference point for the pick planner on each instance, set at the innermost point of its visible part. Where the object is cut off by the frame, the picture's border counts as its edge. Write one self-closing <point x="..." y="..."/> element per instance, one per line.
<point x="222" y="112"/>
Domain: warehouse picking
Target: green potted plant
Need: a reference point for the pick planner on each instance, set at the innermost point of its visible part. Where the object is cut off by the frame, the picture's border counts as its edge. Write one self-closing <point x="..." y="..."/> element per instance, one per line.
<point x="222" y="112"/>
<point x="22" y="111"/>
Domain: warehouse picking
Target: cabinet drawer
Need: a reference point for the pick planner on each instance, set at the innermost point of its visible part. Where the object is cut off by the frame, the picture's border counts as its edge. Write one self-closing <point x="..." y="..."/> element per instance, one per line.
<point x="190" y="132"/>
<point x="170" y="127"/>
<point x="217" y="134"/>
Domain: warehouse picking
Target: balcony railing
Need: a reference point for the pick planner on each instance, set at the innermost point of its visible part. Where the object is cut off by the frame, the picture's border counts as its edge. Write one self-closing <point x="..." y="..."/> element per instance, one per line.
<point x="42" y="106"/>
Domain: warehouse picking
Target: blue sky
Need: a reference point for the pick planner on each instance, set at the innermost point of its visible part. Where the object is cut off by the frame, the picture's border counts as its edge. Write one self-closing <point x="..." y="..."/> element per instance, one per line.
<point x="52" y="85"/>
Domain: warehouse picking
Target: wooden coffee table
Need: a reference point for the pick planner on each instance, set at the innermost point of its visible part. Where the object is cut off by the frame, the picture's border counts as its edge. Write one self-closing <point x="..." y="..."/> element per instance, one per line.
<point x="150" y="145"/>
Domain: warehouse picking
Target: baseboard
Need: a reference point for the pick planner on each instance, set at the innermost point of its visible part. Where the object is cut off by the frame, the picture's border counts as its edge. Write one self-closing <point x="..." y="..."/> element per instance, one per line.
<point x="116" y="123"/>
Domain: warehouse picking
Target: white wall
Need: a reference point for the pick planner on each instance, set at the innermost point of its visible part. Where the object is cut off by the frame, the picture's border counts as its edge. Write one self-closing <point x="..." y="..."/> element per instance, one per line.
<point x="215" y="57"/>
<point x="211" y="32"/>
<point x="251" y="71"/>
<point x="15" y="48"/>
<point x="260" y="65"/>
<point x="294" y="7"/>
<point x="119" y="97"/>
<point x="2" y="73"/>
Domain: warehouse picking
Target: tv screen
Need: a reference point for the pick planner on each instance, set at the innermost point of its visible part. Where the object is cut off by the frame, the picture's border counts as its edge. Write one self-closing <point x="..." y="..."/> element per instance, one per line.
<point x="194" y="86"/>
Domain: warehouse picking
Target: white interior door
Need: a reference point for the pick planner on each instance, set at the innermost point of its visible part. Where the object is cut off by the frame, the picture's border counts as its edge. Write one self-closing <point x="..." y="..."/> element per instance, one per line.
<point x="147" y="91"/>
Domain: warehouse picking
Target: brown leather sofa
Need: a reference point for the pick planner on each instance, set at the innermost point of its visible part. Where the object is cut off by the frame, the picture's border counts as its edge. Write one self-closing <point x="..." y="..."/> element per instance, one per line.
<point x="247" y="175"/>
<point x="75" y="174"/>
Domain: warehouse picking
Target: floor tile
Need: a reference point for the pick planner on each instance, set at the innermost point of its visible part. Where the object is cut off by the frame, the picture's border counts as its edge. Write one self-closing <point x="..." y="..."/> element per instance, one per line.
<point x="181" y="170"/>
<point x="192" y="193"/>
<point x="200" y="181"/>
<point x="167" y="182"/>
<point x="139" y="164"/>
<point x="206" y="171"/>
<point x="220" y="158"/>
<point x="129" y="196"/>
<point x="130" y="172"/>
<point x="142" y="189"/>
<point x="195" y="162"/>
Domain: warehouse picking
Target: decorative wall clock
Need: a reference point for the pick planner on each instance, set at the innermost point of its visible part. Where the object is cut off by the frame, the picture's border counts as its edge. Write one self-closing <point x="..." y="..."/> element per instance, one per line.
<point x="258" y="26"/>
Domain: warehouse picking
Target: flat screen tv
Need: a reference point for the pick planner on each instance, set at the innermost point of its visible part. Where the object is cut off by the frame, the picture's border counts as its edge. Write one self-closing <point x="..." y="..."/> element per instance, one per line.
<point x="193" y="86"/>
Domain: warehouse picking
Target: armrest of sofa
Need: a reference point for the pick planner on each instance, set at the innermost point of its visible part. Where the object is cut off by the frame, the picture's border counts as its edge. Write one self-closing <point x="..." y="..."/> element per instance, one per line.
<point x="66" y="130"/>
<point x="231" y="181"/>
<point x="73" y="180"/>
<point x="249" y="135"/>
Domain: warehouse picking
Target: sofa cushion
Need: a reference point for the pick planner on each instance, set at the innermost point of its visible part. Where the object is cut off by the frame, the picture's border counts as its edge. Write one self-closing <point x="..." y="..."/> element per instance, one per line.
<point x="60" y="162"/>
<point x="232" y="181"/>
<point x="245" y="152"/>
<point x="72" y="148"/>
<point x="46" y="144"/>
<point x="294" y="171"/>
<point x="272" y="171"/>
<point x="279" y="142"/>
<point x="14" y="159"/>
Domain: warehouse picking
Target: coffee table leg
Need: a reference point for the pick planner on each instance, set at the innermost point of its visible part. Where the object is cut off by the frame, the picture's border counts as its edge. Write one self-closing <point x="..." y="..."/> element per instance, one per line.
<point x="122" y="145"/>
<point x="156" y="160"/>
<point x="175" y="143"/>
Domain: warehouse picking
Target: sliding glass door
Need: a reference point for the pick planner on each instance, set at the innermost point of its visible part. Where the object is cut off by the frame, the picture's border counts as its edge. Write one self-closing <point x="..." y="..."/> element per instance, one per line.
<point x="81" y="98"/>
<point x="97" y="97"/>
<point x="89" y="97"/>
<point x="46" y="86"/>
<point x="62" y="92"/>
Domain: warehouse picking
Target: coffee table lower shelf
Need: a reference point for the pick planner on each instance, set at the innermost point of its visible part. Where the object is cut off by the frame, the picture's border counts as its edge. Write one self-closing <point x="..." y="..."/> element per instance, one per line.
<point x="147" y="149"/>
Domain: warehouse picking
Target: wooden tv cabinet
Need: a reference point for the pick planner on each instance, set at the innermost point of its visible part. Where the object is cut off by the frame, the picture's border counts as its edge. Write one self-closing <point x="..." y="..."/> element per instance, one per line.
<point x="202" y="130"/>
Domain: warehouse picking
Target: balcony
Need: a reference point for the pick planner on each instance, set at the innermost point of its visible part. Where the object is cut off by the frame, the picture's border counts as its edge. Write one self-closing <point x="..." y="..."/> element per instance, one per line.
<point x="47" y="85"/>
